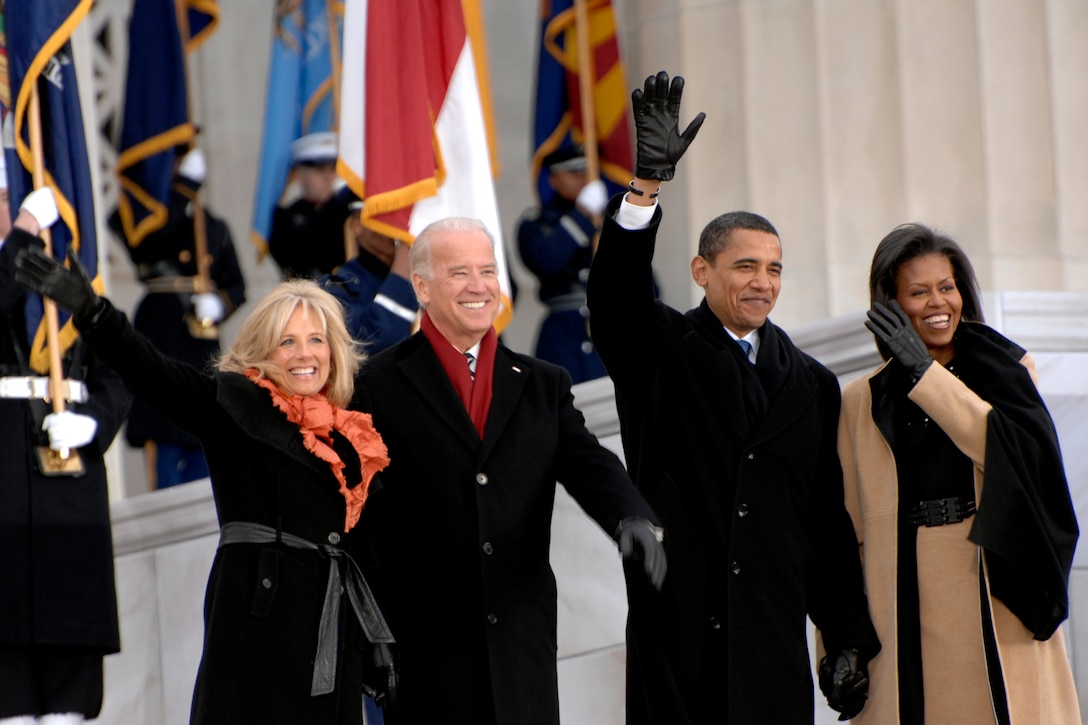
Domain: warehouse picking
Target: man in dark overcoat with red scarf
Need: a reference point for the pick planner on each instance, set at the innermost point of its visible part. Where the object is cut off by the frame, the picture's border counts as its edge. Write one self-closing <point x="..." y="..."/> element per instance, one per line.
<point x="461" y="525"/>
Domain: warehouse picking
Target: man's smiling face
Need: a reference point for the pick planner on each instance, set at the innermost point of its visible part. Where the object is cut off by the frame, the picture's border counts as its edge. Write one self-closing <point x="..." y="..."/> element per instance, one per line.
<point x="462" y="295"/>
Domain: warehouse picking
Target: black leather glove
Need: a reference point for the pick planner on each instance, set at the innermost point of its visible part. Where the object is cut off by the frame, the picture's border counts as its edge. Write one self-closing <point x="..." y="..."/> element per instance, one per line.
<point x="69" y="288"/>
<point x="845" y="683"/>
<point x="380" y="679"/>
<point x="638" y="538"/>
<point x="893" y="328"/>
<point x="657" y="127"/>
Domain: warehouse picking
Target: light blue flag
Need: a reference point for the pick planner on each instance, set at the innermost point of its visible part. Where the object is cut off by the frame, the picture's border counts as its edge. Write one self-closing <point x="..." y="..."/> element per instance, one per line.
<point x="301" y="97"/>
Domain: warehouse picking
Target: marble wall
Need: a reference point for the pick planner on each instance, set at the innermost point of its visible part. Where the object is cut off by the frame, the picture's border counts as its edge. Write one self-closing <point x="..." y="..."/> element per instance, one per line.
<point x="836" y="119"/>
<point x="164" y="542"/>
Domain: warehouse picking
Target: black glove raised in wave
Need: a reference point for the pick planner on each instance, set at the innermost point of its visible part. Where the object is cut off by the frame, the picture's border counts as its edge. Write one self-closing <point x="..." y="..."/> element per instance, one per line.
<point x="658" y="139"/>
<point x="893" y="328"/>
<point x="69" y="288"/>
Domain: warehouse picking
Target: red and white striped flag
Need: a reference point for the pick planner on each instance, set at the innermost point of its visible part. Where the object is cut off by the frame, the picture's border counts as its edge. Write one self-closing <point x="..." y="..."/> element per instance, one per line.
<point x="413" y="141"/>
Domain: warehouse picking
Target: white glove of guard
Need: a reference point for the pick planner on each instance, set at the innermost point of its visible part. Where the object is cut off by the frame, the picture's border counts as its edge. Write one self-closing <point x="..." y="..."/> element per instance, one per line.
<point x="593" y="197"/>
<point x="193" y="166"/>
<point x="208" y="306"/>
<point x="69" y="430"/>
<point x="42" y="205"/>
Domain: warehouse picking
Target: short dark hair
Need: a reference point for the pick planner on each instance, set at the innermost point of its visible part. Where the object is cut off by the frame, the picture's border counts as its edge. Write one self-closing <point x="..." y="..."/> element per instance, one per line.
<point x="910" y="241"/>
<point x="715" y="235"/>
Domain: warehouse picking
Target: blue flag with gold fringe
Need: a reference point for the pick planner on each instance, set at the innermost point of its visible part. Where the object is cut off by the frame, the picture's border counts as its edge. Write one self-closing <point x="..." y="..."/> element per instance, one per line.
<point x="156" y="122"/>
<point x="40" y="54"/>
<point x="301" y="97"/>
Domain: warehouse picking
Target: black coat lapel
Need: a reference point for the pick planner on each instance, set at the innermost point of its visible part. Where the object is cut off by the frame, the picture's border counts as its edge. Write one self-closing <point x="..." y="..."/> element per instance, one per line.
<point x="423" y="371"/>
<point x="733" y="387"/>
<point x="252" y="409"/>
<point x="507" y="384"/>
<point x="787" y="381"/>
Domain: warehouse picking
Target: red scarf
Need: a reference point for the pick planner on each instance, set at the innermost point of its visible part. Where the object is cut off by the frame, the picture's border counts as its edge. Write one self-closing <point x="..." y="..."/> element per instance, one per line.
<point x="475" y="394"/>
<point x="316" y="418"/>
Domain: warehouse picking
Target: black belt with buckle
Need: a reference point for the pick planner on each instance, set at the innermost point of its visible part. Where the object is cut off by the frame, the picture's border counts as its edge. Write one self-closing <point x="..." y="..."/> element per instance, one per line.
<point x="941" y="511"/>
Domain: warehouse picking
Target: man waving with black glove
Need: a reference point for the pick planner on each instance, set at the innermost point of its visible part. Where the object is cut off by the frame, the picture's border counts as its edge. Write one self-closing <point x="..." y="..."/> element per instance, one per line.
<point x="729" y="432"/>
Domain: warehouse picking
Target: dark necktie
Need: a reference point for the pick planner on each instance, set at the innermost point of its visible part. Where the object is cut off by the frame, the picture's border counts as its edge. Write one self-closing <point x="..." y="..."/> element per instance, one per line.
<point x="471" y="364"/>
<point x="746" y="347"/>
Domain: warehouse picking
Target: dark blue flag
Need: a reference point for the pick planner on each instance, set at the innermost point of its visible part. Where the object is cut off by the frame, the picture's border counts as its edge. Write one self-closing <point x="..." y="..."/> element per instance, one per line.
<point x="156" y="125"/>
<point x="40" y="55"/>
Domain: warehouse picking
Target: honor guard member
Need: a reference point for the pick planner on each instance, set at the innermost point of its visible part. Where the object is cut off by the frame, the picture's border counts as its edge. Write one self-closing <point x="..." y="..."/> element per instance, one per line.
<point x="373" y="285"/>
<point x="58" y="603"/>
<point x="307" y="237"/>
<point x="166" y="264"/>
<point x="555" y="242"/>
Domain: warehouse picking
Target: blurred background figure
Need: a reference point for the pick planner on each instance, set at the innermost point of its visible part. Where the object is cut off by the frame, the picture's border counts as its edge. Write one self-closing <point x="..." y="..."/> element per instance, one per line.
<point x="556" y="242"/>
<point x="373" y="285"/>
<point x="166" y="263"/>
<point x="58" y="602"/>
<point x="307" y="236"/>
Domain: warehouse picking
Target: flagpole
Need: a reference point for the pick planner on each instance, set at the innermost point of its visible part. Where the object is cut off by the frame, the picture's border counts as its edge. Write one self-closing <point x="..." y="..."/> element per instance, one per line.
<point x="334" y="65"/>
<point x="69" y="460"/>
<point x="204" y="329"/>
<point x="586" y="77"/>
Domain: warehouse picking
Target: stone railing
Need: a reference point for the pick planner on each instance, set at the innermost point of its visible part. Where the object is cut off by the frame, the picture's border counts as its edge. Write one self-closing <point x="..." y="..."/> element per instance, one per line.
<point x="164" y="542"/>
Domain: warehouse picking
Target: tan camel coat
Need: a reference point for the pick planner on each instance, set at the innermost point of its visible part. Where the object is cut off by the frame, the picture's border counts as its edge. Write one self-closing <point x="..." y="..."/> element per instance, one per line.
<point x="1037" y="675"/>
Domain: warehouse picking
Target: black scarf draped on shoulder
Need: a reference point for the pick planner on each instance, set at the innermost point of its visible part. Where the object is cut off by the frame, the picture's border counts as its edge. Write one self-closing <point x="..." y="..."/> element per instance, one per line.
<point x="1026" y="523"/>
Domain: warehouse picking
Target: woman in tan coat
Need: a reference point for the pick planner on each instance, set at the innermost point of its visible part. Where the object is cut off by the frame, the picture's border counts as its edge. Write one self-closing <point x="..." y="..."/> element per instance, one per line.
<point x="955" y="485"/>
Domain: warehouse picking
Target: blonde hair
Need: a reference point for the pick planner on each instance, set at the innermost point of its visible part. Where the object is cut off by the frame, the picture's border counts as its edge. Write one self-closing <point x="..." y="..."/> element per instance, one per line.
<point x="262" y="329"/>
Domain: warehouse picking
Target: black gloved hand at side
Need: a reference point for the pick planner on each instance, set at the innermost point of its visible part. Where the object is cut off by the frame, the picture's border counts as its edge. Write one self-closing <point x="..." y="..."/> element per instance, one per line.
<point x="380" y="679"/>
<point x="638" y="538"/>
<point x="845" y="683"/>
<point x="893" y="328"/>
<point x="69" y="288"/>
<point x="657" y="127"/>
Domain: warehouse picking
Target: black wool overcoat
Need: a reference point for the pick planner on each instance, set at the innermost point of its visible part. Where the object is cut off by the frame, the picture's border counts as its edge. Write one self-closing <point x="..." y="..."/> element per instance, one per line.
<point x="461" y="528"/>
<point x="56" y="551"/>
<point x="263" y="602"/>
<point x="740" y="463"/>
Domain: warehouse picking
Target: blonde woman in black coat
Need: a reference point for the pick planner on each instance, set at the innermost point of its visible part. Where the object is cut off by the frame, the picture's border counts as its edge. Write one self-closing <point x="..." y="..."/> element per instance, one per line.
<point x="292" y="634"/>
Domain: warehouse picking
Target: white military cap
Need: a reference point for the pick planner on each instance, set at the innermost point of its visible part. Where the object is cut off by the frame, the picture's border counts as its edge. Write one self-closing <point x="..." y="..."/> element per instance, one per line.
<point x="314" y="148"/>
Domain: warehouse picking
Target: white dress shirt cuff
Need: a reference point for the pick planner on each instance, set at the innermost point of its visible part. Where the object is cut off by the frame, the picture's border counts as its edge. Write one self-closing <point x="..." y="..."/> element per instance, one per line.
<point x="634" y="217"/>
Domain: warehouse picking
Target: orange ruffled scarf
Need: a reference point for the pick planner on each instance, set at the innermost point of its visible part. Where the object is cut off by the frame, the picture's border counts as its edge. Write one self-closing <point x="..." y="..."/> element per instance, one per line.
<point x="316" y="418"/>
